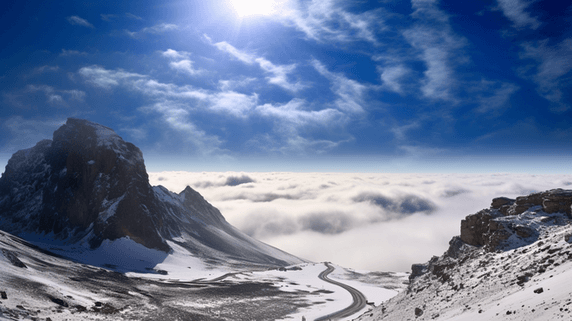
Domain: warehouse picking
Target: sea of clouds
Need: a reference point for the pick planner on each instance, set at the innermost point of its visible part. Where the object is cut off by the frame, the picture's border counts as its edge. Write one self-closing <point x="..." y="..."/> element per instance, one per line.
<point x="377" y="222"/>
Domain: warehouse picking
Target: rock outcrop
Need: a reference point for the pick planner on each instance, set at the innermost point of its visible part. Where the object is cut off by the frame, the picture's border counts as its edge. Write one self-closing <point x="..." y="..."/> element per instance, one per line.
<point x="88" y="185"/>
<point x="502" y="254"/>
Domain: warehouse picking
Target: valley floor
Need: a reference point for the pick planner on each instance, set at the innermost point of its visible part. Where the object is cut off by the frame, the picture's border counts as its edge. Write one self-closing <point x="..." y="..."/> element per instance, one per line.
<point x="38" y="285"/>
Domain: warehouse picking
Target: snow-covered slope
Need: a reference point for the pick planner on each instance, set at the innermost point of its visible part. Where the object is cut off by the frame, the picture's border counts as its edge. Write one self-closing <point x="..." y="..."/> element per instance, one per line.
<point x="511" y="262"/>
<point x="87" y="188"/>
<point x="38" y="285"/>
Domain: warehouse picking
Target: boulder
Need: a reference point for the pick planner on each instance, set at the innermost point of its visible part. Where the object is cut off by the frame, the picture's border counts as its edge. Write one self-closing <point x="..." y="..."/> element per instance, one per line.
<point x="500" y="201"/>
<point x="557" y="201"/>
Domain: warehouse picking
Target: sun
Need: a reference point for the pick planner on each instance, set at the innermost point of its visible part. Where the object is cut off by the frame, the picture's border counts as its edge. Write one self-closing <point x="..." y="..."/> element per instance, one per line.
<point x="254" y="7"/>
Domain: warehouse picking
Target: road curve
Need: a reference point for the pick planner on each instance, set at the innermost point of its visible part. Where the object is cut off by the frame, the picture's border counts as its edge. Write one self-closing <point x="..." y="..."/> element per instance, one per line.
<point x="357" y="296"/>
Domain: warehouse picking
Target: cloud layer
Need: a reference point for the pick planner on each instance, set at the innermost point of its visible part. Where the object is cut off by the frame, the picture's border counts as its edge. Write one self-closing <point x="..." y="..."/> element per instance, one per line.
<point x="367" y="221"/>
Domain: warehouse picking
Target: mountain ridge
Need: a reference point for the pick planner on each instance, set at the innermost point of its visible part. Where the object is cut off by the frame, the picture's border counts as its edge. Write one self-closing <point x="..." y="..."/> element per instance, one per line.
<point x="87" y="185"/>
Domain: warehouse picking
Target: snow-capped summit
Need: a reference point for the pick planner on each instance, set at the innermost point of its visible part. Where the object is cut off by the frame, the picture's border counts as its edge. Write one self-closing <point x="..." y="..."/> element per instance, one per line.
<point x="88" y="185"/>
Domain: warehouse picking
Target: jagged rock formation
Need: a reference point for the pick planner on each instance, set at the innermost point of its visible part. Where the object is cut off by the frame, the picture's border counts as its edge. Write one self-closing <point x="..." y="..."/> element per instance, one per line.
<point x="488" y="228"/>
<point x="88" y="185"/>
<point x="502" y="256"/>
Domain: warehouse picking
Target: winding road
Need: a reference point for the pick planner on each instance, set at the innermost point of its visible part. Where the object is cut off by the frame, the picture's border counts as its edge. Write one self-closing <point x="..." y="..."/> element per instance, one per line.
<point x="357" y="296"/>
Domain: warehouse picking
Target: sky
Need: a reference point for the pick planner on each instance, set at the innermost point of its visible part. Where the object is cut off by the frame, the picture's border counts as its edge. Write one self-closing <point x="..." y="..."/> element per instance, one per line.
<point x="287" y="85"/>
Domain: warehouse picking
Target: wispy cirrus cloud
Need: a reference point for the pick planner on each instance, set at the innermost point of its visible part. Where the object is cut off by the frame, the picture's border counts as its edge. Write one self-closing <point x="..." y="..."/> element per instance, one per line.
<point x="176" y="116"/>
<point x="78" y="21"/>
<point x="493" y="95"/>
<point x="554" y="64"/>
<point x="392" y="77"/>
<point x="176" y="104"/>
<point x="33" y="94"/>
<point x="132" y="16"/>
<point x="108" y="17"/>
<point x="439" y="48"/>
<point x="294" y="112"/>
<point x="55" y="96"/>
<point x="349" y="92"/>
<point x="279" y="74"/>
<point x="104" y="78"/>
<point x="156" y="30"/>
<point x="46" y="68"/>
<point x="68" y="53"/>
<point x="292" y="118"/>
<point x="515" y="11"/>
<point x="326" y="21"/>
<point x="114" y="17"/>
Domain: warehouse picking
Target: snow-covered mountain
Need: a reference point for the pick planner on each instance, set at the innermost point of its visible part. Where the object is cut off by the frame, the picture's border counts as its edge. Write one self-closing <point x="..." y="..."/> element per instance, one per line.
<point x="88" y="188"/>
<point x="512" y="261"/>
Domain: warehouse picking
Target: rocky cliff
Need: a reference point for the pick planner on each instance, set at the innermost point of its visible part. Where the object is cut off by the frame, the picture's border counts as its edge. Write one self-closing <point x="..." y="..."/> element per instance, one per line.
<point x="499" y="266"/>
<point x="87" y="185"/>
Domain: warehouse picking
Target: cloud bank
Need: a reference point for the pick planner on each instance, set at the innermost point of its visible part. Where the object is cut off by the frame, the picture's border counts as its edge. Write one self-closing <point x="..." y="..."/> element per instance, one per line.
<point x="383" y="222"/>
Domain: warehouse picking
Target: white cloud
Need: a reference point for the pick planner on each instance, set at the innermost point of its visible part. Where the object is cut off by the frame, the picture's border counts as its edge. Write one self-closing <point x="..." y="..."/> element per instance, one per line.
<point x="292" y="122"/>
<point x="132" y="16"/>
<point x="75" y="20"/>
<point x="326" y="20"/>
<point x="104" y="78"/>
<point x="350" y="92"/>
<point x="156" y="29"/>
<point x="439" y="48"/>
<point x="291" y="118"/>
<point x="176" y="55"/>
<point x="400" y="132"/>
<point x="514" y="10"/>
<point x="498" y="98"/>
<point x="555" y="62"/>
<point x="392" y="77"/>
<point x="292" y="210"/>
<point x="236" y="104"/>
<point x="74" y="94"/>
<point x="184" y="65"/>
<point x="428" y="10"/>
<point x="294" y="113"/>
<point x="176" y="116"/>
<point x="180" y="61"/>
<point x="55" y="96"/>
<point x="279" y="73"/>
<point x="240" y="55"/>
<point x="67" y="53"/>
<point x="226" y="85"/>
<point x="108" y="17"/>
<point x="46" y="68"/>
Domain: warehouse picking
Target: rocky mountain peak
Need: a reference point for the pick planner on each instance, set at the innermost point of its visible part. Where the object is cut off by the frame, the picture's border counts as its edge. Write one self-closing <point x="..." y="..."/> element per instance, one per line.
<point x="77" y="187"/>
<point x="87" y="185"/>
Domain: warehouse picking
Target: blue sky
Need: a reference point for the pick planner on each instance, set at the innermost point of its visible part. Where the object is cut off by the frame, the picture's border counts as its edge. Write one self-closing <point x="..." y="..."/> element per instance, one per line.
<point x="298" y="85"/>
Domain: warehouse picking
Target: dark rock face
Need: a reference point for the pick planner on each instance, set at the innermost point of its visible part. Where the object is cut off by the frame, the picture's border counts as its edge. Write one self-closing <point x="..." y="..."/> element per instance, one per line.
<point x="89" y="185"/>
<point x="66" y="183"/>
